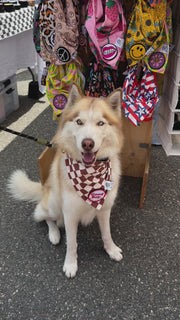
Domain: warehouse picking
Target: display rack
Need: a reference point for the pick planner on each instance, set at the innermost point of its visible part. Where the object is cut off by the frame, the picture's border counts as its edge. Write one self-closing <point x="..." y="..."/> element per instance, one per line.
<point x="135" y="155"/>
<point x="169" y="137"/>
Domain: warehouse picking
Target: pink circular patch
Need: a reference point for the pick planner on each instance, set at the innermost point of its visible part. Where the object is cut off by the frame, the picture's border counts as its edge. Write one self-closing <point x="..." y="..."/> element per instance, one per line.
<point x="109" y="51"/>
<point x="96" y="195"/>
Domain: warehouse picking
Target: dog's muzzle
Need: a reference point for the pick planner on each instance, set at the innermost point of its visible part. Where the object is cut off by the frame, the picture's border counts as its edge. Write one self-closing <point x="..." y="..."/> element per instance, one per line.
<point x="88" y="156"/>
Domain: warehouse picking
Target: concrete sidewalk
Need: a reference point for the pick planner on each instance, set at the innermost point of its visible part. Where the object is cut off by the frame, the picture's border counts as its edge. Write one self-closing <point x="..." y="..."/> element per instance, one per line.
<point x="144" y="285"/>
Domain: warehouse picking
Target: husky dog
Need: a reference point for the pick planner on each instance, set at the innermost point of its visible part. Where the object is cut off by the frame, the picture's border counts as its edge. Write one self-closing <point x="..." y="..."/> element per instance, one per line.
<point x="84" y="175"/>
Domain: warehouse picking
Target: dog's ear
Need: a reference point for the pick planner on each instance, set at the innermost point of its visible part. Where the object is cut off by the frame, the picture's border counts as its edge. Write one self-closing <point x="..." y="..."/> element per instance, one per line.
<point x="115" y="100"/>
<point x="74" y="95"/>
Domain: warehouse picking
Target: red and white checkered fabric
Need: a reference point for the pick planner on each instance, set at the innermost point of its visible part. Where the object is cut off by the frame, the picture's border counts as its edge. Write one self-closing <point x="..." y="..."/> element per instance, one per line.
<point x="89" y="181"/>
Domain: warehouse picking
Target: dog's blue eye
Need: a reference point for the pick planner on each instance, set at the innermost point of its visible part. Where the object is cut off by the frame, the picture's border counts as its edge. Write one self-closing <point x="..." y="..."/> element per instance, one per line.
<point x="100" y="123"/>
<point x="79" y="122"/>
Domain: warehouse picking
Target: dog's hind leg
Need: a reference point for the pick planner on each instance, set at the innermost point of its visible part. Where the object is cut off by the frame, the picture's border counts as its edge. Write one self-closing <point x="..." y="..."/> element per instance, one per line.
<point x="54" y="233"/>
<point x="60" y="221"/>
<point x="41" y="214"/>
<point x="113" y="251"/>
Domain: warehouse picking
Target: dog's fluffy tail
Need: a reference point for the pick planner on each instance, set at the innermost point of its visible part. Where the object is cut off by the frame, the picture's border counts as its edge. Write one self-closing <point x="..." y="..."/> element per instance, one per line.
<point x="22" y="188"/>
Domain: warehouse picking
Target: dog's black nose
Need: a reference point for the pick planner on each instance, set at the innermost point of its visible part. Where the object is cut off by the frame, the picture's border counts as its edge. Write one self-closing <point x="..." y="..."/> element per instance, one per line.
<point x="87" y="144"/>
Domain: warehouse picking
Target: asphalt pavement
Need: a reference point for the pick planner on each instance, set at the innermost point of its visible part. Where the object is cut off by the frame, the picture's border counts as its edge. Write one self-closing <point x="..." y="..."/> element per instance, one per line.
<point x="144" y="285"/>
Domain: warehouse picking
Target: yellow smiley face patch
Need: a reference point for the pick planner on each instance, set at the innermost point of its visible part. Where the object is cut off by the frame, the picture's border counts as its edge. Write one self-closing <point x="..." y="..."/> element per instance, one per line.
<point x="137" y="51"/>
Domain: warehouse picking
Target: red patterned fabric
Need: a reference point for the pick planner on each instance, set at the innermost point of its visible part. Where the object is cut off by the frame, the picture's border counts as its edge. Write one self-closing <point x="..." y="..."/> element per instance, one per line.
<point x="89" y="181"/>
<point x="139" y="97"/>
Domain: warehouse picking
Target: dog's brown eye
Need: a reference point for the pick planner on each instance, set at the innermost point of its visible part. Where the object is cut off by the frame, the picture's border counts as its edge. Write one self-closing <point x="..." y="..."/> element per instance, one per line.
<point x="79" y="122"/>
<point x="100" y="123"/>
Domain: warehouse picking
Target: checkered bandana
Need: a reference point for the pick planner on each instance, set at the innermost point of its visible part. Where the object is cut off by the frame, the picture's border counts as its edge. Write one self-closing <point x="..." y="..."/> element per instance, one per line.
<point x="90" y="181"/>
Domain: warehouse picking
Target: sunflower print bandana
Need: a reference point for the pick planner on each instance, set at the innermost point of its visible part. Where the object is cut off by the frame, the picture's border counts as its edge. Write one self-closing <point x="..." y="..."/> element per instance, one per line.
<point x="153" y="3"/>
<point x="145" y="26"/>
<point x="156" y="57"/>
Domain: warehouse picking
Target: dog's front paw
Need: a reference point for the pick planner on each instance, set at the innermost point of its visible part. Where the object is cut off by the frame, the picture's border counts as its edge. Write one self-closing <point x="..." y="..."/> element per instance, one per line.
<point x="70" y="269"/>
<point x="114" y="252"/>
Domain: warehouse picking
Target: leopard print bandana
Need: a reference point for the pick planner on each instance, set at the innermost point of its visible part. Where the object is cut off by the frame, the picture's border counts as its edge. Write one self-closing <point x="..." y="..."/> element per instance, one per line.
<point x="59" y="31"/>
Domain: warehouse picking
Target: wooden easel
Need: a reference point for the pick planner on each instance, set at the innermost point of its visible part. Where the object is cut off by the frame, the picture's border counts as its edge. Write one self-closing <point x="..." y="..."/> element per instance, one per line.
<point x="44" y="162"/>
<point x="135" y="155"/>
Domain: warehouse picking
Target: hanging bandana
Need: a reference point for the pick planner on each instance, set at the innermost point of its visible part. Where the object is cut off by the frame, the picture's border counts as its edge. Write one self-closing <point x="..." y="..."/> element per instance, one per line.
<point x="106" y="27"/>
<point x="90" y="181"/>
<point x="153" y="3"/>
<point x="145" y="27"/>
<point x="66" y="35"/>
<point x="156" y="59"/>
<point x="58" y="82"/>
<point x="100" y="81"/>
<point x="47" y="29"/>
<point x="36" y="28"/>
<point x="59" y="31"/>
<point x="139" y="98"/>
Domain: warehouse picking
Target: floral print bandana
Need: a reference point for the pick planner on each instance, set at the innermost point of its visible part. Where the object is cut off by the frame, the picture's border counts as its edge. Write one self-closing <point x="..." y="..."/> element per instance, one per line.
<point x="58" y="82"/>
<point x="100" y="80"/>
<point x="153" y="3"/>
<point x="156" y="57"/>
<point x="106" y="27"/>
<point x="146" y="29"/>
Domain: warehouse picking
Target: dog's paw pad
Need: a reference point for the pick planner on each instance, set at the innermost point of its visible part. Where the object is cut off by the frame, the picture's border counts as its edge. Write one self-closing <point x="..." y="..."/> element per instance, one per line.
<point x="115" y="253"/>
<point x="70" y="269"/>
<point x="54" y="236"/>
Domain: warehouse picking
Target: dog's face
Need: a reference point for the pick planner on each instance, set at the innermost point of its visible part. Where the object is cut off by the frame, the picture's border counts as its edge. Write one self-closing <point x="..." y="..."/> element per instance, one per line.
<point x="90" y="128"/>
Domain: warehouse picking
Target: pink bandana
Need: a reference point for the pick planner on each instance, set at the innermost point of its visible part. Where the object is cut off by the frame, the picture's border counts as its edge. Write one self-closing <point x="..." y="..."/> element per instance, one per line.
<point x="90" y="182"/>
<point x="106" y="27"/>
